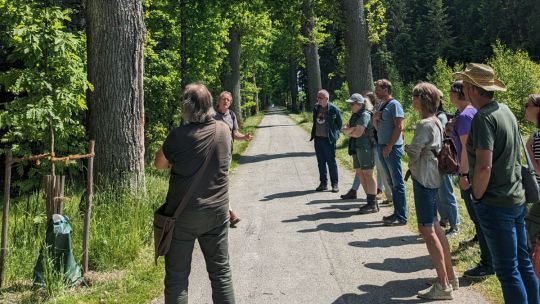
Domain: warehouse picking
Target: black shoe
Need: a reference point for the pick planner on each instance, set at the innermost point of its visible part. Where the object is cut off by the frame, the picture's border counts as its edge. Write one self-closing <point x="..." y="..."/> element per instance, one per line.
<point x="321" y="187"/>
<point x="349" y="195"/>
<point x="390" y="217"/>
<point x="335" y="189"/>
<point x="393" y="221"/>
<point x="452" y="232"/>
<point x="479" y="272"/>
<point x="444" y="223"/>
<point x="369" y="208"/>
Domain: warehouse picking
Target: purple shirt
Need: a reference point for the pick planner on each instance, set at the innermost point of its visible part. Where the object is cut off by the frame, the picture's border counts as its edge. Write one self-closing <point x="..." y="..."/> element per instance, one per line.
<point x="462" y="126"/>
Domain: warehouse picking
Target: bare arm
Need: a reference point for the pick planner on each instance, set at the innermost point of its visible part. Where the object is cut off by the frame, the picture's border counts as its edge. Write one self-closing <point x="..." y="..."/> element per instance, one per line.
<point x="464" y="182"/>
<point x="482" y="172"/>
<point x="160" y="162"/>
<point x="398" y="130"/>
<point x="357" y="131"/>
<point x="534" y="161"/>
<point x="239" y="136"/>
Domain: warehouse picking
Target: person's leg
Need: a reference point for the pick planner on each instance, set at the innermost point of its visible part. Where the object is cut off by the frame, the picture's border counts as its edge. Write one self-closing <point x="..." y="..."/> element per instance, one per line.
<point x="321" y="161"/>
<point x="525" y="266"/>
<point x="385" y="171"/>
<point x="332" y="164"/>
<point x="446" y="251"/>
<point x="395" y="171"/>
<point x="381" y="172"/>
<point x="499" y="227"/>
<point x="178" y="261"/>
<point x="485" y="254"/>
<point x="215" y="247"/>
<point x="447" y="203"/>
<point x="356" y="183"/>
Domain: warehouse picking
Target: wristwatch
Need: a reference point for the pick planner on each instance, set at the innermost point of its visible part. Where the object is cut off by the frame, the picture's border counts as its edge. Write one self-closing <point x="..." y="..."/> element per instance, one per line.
<point x="474" y="199"/>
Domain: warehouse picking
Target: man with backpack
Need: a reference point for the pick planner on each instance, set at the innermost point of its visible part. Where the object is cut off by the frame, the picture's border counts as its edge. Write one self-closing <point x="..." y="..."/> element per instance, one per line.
<point x="226" y="115"/>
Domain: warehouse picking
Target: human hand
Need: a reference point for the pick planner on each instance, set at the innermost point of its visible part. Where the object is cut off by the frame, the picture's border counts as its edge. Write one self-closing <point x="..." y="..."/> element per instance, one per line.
<point x="386" y="151"/>
<point x="464" y="183"/>
<point x="249" y="137"/>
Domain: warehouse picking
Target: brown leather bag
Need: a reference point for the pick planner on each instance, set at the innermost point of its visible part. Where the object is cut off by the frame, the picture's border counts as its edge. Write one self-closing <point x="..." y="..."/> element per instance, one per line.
<point x="164" y="223"/>
<point x="536" y="257"/>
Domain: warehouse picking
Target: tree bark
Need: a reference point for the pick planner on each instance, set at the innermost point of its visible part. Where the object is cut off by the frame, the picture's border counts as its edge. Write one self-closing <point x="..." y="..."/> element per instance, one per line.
<point x="293" y="84"/>
<point x="357" y="55"/>
<point x="311" y="53"/>
<point x="115" y="46"/>
<point x="232" y="81"/>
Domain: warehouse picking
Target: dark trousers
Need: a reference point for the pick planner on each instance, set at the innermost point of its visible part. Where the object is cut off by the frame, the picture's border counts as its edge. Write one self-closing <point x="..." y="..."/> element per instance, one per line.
<point x="326" y="155"/>
<point x="210" y="228"/>
<point x="485" y="255"/>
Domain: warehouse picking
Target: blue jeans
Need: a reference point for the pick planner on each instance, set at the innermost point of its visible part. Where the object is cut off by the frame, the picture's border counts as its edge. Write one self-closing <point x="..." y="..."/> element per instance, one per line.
<point x="485" y="254"/>
<point x="393" y="169"/>
<point x="356" y="183"/>
<point x="326" y="155"/>
<point x="447" y="204"/>
<point x="506" y="237"/>
<point x="425" y="201"/>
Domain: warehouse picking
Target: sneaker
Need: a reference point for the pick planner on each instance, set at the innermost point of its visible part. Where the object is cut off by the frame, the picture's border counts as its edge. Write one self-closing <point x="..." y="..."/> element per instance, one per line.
<point x="393" y="221"/>
<point x="373" y="208"/>
<point x="387" y="202"/>
<point x="233" y="219"/>
<point x="335" y="189"/>
<point x="444" y="223"/>
<point x="349" y="195"/>
<point x="452" y="232"/>
<point x="479" y="272"/>
<point x="322" y="187"/>
<point x="454" y="283"/>
<point x="436" y="292"/>
<point x="379" y="195"/>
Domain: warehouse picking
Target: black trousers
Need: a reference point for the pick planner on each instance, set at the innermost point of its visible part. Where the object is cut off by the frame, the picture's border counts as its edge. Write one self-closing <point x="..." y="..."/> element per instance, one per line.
<point x="210" y="228"/>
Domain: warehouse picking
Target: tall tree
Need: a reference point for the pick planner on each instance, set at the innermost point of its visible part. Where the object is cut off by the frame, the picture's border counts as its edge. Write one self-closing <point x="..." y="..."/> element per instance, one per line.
<point x="115" y="47"/>
<point x="357" y="56"/>
<point x="311" y="52"/>
<point x="232" y="80"/>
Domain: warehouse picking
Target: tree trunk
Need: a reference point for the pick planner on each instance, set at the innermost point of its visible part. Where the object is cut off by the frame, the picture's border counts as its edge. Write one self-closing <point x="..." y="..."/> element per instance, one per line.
<point x="293" y="84"/>
<point x="115" y="46"/>
<point x="311" y="53"/>
<point x="357" y="55"/>
<point x="232" y="81"/>
<point x="256" y="96"/>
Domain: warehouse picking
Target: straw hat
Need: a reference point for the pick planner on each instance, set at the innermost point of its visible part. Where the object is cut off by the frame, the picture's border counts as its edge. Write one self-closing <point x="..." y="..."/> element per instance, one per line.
<point x="482" y="76"/>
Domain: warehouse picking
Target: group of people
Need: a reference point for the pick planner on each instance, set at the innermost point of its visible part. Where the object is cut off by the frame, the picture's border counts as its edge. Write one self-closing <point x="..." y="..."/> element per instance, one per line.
<point x="487" y="140"/>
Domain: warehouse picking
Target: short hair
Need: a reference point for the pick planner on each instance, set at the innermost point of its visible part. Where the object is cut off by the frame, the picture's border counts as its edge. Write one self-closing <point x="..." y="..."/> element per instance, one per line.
<point x="325" y="93"/>
<point x="430" y="97"/>
<point x="384" y="84"/>
<point x="535" y="99"/>
<point x="457" y="87"/>
<point x="197" y="104"/>
<point x="222" y="94"/>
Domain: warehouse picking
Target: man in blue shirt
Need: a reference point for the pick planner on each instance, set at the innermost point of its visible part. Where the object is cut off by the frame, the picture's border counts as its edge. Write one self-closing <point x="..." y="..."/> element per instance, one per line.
<point x="325" y="131"/>
<point x="388" y="121"/>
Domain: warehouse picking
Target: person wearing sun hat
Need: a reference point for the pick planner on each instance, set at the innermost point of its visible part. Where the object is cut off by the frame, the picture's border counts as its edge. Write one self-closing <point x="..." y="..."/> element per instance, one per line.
<point x="493" y="151"/>
<point x="361" y="148"/>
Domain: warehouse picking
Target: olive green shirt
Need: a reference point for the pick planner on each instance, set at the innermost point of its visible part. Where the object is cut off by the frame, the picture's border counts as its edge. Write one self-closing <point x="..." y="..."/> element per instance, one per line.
<point x="495" y="128"/>
<point x="362" y="118"/>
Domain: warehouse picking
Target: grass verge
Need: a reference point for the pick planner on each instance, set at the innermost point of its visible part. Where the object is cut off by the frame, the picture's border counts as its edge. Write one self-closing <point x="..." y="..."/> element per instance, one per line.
<point x="464" y="257"/>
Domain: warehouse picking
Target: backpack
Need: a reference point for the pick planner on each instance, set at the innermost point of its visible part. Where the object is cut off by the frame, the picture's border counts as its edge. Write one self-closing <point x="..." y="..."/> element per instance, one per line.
<point x="373" y="137"/>
<point x="447" y="156"/>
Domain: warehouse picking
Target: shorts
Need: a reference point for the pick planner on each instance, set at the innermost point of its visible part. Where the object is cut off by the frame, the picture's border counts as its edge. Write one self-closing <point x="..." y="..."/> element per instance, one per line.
<point x="364" y="158"/>
<point x="425" y="202"/>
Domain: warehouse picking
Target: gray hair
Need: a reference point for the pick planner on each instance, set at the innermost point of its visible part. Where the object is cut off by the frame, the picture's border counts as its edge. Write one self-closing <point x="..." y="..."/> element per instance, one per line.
<point x="325" y="93"/>
<point x="197" y="104"/>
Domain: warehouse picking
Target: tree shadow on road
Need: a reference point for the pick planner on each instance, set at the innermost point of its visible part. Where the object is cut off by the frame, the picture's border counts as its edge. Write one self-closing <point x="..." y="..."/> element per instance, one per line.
<point x="399" y="291"/>
<point x="321" y="216"/>
<point x="337" y="200"/>
<point x="343" y="227"/>
<point x="388" y="242"/>
<point x="343" y="207"/>
<point x="286" y="195"/>
<point x="249" y="159"/>
<point x="397" y="265"/>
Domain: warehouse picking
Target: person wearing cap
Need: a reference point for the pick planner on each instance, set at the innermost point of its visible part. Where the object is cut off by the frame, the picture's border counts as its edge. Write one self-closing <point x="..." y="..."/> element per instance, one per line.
<point x="493" y="150"/>
<point x="361" y="148"/>
<point x="327" y="122"/>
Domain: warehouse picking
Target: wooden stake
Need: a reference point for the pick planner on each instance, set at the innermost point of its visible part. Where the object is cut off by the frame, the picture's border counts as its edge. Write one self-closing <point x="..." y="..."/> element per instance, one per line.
<point x="5" y="215"/>
<point x="88" y="213"/>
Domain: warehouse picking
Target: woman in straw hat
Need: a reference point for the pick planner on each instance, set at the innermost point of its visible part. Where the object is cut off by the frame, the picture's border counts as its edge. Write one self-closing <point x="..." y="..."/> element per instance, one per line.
<point x="423" y="166"/>
<point x="493" y="150"/>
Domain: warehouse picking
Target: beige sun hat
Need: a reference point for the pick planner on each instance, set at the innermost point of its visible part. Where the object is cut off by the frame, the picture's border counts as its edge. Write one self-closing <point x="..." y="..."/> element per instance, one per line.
<point x="482" y="76"/>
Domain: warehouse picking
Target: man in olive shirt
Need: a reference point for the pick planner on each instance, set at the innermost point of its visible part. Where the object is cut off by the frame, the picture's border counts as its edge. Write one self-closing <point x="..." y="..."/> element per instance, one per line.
<point x="493" y="150"/>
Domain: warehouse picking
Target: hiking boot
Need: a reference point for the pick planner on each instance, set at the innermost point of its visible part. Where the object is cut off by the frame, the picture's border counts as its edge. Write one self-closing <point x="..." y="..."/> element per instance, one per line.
<point x="369" y="208"/>
<point x="349" y="195"/>
<point x="392" y="220"/>
<point x="233" y="219"/>
<point x="436" y="292"/>
<point x="379" y="195"/>
<point x="452" y="232"/>
<point x="335" y="189"/>
<point x="322" y="187"/>
<point x="479" y="272"/>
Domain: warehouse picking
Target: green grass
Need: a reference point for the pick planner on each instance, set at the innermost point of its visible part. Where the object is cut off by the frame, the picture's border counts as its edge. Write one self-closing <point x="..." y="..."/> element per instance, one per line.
<point x="121" y="252"/>
<point x="463" y="258"/>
